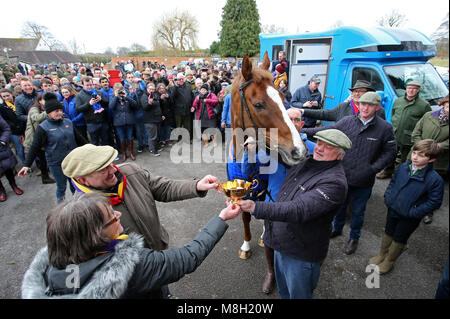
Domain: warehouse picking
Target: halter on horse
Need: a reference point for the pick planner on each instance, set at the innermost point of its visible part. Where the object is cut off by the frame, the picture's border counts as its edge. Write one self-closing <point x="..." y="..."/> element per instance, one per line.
<point x="253" y="91"/>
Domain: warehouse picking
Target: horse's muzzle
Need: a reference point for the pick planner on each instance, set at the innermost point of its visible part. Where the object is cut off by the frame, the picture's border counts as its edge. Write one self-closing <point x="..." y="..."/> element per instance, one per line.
<point x="296" y="156"/>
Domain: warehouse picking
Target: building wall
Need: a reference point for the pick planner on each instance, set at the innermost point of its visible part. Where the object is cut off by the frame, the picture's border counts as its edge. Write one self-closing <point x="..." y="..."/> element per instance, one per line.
<point x="169" y="62"/>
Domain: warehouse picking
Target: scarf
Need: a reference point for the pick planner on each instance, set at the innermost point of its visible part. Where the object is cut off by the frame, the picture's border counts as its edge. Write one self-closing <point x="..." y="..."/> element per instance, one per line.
<point x="10" y="105"/>
<point x="355" y="109"/>
<point x="97" y="107"/>
<point x="112" y="245"/>
<point x="443" y="118"/>
<point x="116" y="194"/>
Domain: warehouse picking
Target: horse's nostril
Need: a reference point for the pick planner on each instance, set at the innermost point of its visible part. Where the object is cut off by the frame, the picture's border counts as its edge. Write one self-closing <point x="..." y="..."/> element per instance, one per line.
<point x="295" y="154"/>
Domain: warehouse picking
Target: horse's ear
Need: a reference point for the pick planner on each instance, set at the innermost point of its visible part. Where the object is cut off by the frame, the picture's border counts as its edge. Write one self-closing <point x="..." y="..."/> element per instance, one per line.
<point x="266" y="62"/>
<point x="246" y="68"/>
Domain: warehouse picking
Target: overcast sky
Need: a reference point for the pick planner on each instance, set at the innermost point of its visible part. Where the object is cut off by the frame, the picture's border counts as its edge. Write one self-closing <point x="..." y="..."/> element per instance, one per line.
<point x="99" y="24"/>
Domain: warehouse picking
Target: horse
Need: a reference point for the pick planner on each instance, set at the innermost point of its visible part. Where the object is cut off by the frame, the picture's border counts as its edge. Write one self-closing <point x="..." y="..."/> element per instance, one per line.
<point x="256" y="104"/>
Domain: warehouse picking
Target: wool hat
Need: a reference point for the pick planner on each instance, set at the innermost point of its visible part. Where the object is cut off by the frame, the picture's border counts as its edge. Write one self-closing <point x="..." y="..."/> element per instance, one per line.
<point x="51" y="102"/>
<point x="370" y="98"/>
<point x="334" y="137"/>
<point x="87" y="159"/>
<point x="362" y="84"/>
<point x="414" y="83"/>
<point x="281" y="67"/>
<point x="205" y="86"/>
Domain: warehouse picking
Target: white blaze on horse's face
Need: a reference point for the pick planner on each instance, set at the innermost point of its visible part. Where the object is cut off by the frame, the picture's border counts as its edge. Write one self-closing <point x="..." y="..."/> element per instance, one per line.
<point x="296" y="139"/>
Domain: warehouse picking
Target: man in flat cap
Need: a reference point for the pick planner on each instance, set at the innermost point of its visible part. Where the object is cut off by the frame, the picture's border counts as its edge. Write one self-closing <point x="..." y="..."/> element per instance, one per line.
<point x="350" y="107"/>
<point x="373" y="147"/>
<point x="298" y="223"/>
<point x="406" y="112"/>
<point x="131" y="189"/>
<point x="309" y="97"/>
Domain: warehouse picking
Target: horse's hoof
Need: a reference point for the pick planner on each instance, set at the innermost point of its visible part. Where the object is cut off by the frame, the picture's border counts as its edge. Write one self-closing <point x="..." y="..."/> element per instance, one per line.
<point x="244" y="254"/>
<point x="260" y="242"/>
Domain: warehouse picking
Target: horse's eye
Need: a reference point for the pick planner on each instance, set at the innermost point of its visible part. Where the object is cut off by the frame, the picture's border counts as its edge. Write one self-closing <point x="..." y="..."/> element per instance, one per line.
<point x="259" y="105"/>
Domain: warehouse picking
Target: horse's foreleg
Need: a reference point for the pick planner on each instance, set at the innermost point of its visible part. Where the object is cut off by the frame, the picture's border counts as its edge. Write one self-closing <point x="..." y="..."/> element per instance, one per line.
<point x="260" y="240"/>
<point x="245" y="251"/>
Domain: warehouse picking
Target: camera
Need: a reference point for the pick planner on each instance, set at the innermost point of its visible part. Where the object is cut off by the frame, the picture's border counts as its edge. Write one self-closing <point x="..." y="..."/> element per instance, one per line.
<point x="121" y="93"/>
<point x="94" y="96"/>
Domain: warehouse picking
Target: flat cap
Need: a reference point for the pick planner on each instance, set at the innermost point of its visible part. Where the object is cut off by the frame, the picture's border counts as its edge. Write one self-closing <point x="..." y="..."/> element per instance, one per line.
<point x="315" y="79"/>
<point x="87" y="159"/>
<point x="362" y="84"/>
<point x="415" y="83"/>
<point x="334" y="137"/>
<point x="370" y="98"/>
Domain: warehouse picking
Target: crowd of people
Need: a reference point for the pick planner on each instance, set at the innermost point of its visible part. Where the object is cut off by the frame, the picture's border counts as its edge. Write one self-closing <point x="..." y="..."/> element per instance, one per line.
<point x="59" y="120"/>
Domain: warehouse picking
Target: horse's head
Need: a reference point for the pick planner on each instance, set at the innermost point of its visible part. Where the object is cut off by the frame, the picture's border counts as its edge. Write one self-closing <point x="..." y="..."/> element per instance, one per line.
<point x="257" y="104"/>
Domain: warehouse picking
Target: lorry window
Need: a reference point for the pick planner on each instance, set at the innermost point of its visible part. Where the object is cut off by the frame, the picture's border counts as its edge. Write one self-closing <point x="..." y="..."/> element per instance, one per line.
<point x="433" y="88"/>
<point x="369" y="75"/>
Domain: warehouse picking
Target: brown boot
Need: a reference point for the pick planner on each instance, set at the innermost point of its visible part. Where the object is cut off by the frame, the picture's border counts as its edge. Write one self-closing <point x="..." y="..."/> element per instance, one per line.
<point x="123" y="151"/>
<point x="395" y="251"/>
<point x="2" y="193"/>
<point x="131" y="150"/>
<point x="46" y="179"/>
<point x="269" y="280"/>
<point x="386" y="242"/>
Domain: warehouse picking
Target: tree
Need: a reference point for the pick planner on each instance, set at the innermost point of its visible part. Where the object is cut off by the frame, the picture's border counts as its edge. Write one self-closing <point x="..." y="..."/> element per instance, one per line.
<point x="136" y="47"/>
<point x="74" y="47"/>
<point x="240" y="28"/>
<point x="175" y="31"/>
<point x="440" y="37"/>
<point x="214" y="49"/>
<point x="394" y="19"/>
<point x="33" y="30"/>
<point x="123" y="51"/>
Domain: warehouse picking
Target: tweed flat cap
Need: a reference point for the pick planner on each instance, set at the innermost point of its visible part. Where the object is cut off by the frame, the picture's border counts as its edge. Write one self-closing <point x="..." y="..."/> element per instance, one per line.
<point x="415" y="83"/>
<point x="362" y="84"/>
<point x="370" y="98"/>
<point x="335" y="138"/>
<point x="87" y="159"/>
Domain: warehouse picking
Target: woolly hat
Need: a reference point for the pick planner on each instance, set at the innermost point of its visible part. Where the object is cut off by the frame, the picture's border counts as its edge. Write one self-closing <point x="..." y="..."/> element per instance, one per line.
<point x="281" y="67"/>
<point x="51" y="102"/>
<point x="205" y="86"/>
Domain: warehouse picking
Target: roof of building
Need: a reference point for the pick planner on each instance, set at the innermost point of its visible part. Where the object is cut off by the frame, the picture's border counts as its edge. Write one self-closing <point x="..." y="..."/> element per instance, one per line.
<point x="44" y="57"/>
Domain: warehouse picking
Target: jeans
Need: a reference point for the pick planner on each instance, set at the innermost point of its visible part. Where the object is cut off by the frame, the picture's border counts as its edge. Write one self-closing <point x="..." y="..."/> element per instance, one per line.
<point x="359" y="196"/>
<point x="152" y="131"/>
<point x="141" y="134"/>
<point x="99" y="133"/>
<point x="164" y="133"/>
<point x="296" y="279"/>
<point x="61" y="182"/>
<point x="19" y="147"/>
<point x="124" y="132"/>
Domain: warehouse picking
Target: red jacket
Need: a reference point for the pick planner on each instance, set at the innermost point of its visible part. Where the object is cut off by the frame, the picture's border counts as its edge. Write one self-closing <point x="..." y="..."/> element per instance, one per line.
<point x="211" y="101"/>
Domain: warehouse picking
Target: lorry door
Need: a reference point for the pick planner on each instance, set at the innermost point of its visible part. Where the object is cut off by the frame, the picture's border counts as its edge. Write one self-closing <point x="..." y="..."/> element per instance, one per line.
<point x="373" y="73"/>
<point x="308" y="58"/>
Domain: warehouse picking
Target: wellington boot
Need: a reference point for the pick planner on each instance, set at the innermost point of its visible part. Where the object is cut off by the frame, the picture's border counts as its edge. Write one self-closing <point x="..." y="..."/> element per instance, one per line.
<point x="16" y="189"/>
<point x="131" y="150"/>
<point x="46" y="179"/>
<point x="386" y="242"/>
<point x="3" y="196"/>
<point x="395" y="251"/>
<point x="123" y="151"/>
<point x="269" y="280"/>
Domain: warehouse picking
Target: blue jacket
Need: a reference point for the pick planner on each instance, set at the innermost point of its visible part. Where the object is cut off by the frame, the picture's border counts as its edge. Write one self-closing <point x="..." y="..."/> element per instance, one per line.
<point x="71" y="112"/>
<point x="123" y="114"/>
<point x="276" y="179"/>
<point x="226" y="112"/>
<point x="414" y="196"/>
<point x="303" y="95"/>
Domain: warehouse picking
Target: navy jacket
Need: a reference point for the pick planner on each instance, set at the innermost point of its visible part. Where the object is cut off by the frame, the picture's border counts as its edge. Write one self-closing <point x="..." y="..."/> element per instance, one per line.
<point x="123" y="110"/>
<point x="303" y="95"/>
<point x="373" y="148"/>
<point x="23" y="103"/>
<point x="414" y="196"/>
<point x="298" y="223"/>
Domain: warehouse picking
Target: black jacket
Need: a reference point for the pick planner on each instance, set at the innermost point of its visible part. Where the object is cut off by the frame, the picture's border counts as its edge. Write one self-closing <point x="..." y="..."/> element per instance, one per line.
<point x="82" y="104"/>
<point x="337" y="113"/>
<point x="123" y="114"/>
<point x="373" y="148"/>
<point x="152" y="112"/>
<point x="23" y="103"/>
<point x="182" y="98"/>
<point x="15" y="123"/>
<point x="298" y="223"/>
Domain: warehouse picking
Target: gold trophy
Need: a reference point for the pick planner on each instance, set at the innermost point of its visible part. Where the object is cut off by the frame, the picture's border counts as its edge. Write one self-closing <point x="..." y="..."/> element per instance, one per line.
<point x="236" y="189"/>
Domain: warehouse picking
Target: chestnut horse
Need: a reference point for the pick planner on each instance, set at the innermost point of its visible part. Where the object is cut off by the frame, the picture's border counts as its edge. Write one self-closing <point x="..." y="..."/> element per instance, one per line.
<point x="256" y="104"/>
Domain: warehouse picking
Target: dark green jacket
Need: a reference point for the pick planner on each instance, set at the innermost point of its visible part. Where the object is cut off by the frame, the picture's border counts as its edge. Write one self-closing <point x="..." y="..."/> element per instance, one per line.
<point x="405" y="115"/>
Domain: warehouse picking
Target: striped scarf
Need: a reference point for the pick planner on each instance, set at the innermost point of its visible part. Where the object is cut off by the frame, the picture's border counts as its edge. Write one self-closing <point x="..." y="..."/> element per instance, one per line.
<point x="116" y="195"/>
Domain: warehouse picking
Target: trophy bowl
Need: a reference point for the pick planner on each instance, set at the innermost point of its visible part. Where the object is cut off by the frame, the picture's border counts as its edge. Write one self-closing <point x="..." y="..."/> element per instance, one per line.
<point x="236" y="189"/>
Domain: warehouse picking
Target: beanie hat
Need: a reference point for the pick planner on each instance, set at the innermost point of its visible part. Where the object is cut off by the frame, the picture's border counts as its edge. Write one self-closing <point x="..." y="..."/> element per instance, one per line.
<point x="205" y="86"/>
<point x="51" y="102"/>
<point x="281" y="67"/>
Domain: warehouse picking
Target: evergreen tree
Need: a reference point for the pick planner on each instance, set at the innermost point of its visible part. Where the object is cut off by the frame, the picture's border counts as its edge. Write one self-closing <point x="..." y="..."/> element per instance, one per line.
<point x="240" y="28"/>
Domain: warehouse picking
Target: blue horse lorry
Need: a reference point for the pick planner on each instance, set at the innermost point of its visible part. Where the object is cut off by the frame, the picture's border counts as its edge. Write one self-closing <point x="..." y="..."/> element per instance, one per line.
<point x="386" y="57"/>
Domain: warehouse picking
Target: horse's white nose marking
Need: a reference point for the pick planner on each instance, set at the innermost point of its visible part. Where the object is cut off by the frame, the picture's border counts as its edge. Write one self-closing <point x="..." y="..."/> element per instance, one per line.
<point x="275" y="96"/>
